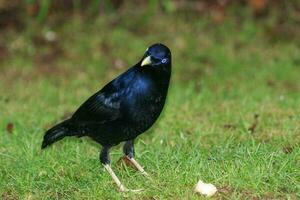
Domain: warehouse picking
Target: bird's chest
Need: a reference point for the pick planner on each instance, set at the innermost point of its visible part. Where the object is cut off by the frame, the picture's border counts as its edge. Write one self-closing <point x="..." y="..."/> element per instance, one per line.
<point x="145" y="102"/>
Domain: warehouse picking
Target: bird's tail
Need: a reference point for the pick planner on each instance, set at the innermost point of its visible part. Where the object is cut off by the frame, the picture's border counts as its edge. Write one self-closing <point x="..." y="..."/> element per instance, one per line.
<point x="56" y="133"/>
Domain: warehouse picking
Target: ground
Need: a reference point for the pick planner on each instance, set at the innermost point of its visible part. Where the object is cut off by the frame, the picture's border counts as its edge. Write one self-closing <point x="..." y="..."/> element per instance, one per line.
<point x="231" y="118"/>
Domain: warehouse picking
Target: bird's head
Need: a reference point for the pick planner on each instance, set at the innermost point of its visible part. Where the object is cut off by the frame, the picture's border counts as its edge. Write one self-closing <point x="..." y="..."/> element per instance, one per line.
<point x="157" y="55"/>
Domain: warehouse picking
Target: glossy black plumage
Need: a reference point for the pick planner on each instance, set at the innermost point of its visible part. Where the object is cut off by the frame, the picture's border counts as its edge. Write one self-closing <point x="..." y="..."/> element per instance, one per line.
<point x="125" y="107"/>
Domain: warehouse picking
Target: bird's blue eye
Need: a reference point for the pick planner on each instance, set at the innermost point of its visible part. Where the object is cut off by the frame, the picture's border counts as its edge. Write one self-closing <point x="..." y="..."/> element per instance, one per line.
<point x="164" y="60"/>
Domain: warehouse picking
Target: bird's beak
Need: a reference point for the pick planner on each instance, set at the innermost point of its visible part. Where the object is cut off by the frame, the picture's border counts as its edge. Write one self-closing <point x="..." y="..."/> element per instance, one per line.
<point x="146" y="61"/>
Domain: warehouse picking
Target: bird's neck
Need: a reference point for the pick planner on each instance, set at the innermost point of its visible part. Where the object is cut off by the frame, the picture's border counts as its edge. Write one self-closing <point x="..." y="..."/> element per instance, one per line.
<point x="160" y="76"/>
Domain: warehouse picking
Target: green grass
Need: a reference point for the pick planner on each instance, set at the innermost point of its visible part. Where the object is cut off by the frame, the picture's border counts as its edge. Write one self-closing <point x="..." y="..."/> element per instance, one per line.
<point x="223" y="75"/>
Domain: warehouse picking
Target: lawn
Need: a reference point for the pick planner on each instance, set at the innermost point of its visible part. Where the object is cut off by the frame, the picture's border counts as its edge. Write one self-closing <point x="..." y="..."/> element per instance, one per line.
<point x="232" y="116"/>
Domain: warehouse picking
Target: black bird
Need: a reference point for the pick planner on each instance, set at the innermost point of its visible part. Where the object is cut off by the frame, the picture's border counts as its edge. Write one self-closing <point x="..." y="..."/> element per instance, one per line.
<point x="123" y="109"/>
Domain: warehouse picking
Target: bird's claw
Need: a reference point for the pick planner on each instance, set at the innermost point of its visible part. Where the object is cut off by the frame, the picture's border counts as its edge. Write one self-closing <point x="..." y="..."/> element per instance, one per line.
<point x="145" y="174"/>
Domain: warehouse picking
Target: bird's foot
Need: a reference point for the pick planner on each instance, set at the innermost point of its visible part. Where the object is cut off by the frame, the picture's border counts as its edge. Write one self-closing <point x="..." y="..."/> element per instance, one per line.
<point x="121" y="187"/>
<point x="137" y="166"/>
<point x="134" y="164"/>
<point x="130" y="190"/>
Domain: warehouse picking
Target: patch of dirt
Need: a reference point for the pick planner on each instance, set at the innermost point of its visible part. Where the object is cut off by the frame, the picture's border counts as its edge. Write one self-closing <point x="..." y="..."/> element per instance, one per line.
<point x="291" y="86"/>
<point x="40" y="71"/>
<point x="253" y="127"/>
<point x="45" y="70"/>
<point x="226" y="191"/>
<point x="271" y="83"/>
<point x="54" y="51"/>
<point x="229" y="126"/>
<point x="46" y="62"/>
<point x="3" y="52"/>
<point x="8" y="195"/>
<point x="10" y="127"/>
<point x="288" y="149"/>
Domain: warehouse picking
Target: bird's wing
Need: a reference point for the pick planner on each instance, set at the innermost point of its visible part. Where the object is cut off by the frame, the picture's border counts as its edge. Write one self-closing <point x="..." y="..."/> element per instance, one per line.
<point x="104" y="105"/>
<point x="99" y="108"/>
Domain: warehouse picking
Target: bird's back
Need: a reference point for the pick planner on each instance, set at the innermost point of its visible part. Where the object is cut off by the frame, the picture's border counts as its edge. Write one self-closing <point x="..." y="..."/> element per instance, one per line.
<point x="124" y="108"/>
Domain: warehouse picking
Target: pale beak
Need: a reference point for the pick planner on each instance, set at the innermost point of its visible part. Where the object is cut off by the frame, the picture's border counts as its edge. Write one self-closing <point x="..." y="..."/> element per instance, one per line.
<point x="146" y="61"/>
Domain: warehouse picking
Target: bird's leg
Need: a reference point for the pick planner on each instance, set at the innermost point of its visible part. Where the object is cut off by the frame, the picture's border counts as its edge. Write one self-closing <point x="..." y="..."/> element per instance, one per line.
<point x="104" y="158"/>
<point x="128" y="150"/>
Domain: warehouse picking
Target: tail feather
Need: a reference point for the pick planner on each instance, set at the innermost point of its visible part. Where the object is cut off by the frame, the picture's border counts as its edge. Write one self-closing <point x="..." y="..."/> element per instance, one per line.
<point x="56" y="133"/>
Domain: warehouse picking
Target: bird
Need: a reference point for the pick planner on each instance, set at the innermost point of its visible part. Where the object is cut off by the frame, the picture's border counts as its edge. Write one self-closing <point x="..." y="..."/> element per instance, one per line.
<point x="122" y="110"/>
